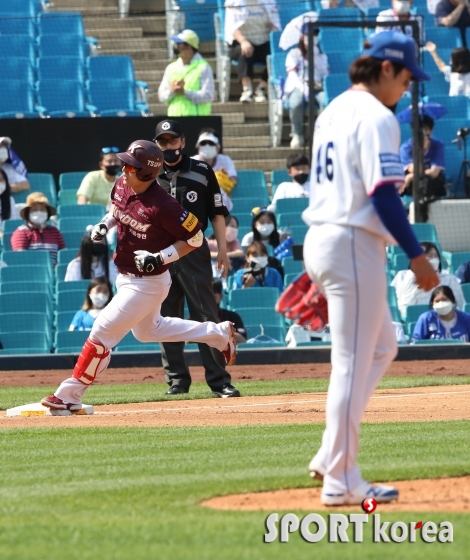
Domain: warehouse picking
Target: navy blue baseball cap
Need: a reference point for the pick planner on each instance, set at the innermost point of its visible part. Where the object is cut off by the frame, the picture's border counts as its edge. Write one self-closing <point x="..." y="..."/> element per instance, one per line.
<point x="396" y="47"/>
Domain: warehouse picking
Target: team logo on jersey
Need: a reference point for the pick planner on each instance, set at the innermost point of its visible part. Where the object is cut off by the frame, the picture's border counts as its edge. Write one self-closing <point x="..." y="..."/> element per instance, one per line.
<point x="389" y="158"/>
<point x="191" y="196"/>
<point x="166" y="126"/>
<point x="133" y="147"/>
<point x="117" y="197"/>
<point x="218" y="200"/>
<point x="190" y="223"/>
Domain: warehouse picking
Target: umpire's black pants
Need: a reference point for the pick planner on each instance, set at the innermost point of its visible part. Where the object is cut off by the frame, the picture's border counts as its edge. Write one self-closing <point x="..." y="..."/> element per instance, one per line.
<point x="192" y="279"/>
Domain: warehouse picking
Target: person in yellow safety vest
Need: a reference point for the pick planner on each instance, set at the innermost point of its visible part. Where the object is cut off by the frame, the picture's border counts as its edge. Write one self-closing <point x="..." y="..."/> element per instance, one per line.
<point x="188" y="83"/>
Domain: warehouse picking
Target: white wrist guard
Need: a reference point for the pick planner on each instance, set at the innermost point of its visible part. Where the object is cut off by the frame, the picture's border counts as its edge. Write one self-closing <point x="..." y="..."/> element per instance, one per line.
<point x="169" y="255"/>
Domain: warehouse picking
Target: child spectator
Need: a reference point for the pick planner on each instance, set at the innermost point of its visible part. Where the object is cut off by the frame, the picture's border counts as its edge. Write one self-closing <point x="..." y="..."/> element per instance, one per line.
<point x="298" y="167"/>
<point x="234" y="249"/>
<point x="13" y="167"/>
<point x="263" y="228"/>
<point x="257" y="272"/>
<point x="407" y="290"/>
<point x="225" y="315"/>
<point x="8" y="210"/>
<point x="92" y="261"/>
<point x="443" y="321"/>
<point x="98" y="295"/>
<point x="36" y="233"/>
<point x="457" y="73"/>
<point x="96" y="186"/>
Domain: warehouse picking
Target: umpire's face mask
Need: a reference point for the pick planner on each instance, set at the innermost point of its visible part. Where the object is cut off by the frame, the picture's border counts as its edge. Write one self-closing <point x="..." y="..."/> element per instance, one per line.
<point x="172" y="156"/>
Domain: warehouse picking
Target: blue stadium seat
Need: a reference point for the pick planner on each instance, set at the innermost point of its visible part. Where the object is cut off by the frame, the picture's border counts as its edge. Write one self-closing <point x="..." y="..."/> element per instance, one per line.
<point x="29" y="302"/>
<point x="425" y="232"/>
<point x="37" y="340"/>
<point x="75" y="224"/>
<point x="298" y="233"/>
<point x="64" y="256"/>
<point x="279" y="176"/>
<point x="24" y="273"/>
<point x="253" y="297"/>
<point x="274" y="37"/>
<point x="17" y="99"/>
<point x="446" y="128"/>
<point x="70" y="300"/>
<point x="456" y="259"/>
<point x="289" y="278"/>
<point x="446" y="37"/>
<point x="70" y="341"/>
<point x="63" y="98"/>
<point x="73" y="239"/>
<point x="34" y="257"/>
<point x="71" y="180"/>
<point x="18" y="69"/>
<point x="256" y="316"/>
<point x="91" y="211"/>
<point x="245" y="205"/>
<point x="20" y="8"/>
<point x="58" y="23"/>
<point x="436" y="85"/>
<point x="67" y="197"/>
<point x="292" y="266"/>
<point x="25" y="322"/>
<point x="63" y="320"/>
<point x="251" y="183"/>
<point x="42" y="182"/>
<point x="290" y="10"/>
<point x="115" y="98"/>
<point x="340" y="14"/>
<point x="287" y="219"/>
<point x="335" y="84"/>
<point x="244" y="218"/>
<point x="72" y="286"/>
<point x="30" y="286"/>
<point x="67" y="45"/>
<point x="18" y="46"/>
<point x="339" y="62"/>
<point x="456" y="106"/>
<point x="199" y="16"/>
<point x="291" y="205"/>
<point x="63" y="67"/>
<point x="61" y="269"/>
<point x="413" y="312"/>
<point x="466" y="292"/>
<point x="17" y="26"/>
<point x="344" y="39"/>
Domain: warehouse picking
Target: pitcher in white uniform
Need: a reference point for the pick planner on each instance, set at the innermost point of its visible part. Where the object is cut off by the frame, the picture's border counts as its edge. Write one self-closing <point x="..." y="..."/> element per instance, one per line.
<point x="354" y="212"/>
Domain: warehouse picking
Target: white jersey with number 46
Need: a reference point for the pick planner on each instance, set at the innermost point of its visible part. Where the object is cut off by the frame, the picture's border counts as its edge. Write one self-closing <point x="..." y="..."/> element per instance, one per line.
<point x="355" y="149"/>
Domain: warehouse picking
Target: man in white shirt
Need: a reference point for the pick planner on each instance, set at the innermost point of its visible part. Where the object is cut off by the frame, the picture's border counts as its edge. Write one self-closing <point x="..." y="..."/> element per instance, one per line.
<point x="400" y="11"/>
<point x="298" y="167"/>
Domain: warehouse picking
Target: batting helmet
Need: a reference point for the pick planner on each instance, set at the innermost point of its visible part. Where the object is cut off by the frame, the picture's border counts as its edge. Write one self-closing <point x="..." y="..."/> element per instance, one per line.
<point x="146" y="157"/>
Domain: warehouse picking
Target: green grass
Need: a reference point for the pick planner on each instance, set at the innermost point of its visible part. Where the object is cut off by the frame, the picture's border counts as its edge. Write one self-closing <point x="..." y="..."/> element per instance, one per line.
<point x="151" y="392"/>
<point x="132" y="493"/>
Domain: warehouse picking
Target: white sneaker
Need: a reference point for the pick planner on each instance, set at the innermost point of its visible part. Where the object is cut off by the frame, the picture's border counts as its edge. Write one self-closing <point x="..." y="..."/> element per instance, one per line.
<point x="246" y="96"/>
<point x="297" y="141"/>
<point x="260" y="95"/>
<point x="381" y="494"/>
<point x="316" y="471"/>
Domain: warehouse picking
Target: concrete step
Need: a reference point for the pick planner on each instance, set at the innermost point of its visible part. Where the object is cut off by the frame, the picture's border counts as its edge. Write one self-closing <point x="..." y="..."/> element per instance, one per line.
<point x="266" y="165"/>
<point x="246" y="141"/>
<point x="138" y="44"/>
<point x="261" y="153"/>
<point x="160" y="63"/>
<point x="144" y="54"/>
<point x="149" y="24"/>
<point x="230" y="118"/>
<point x="81" y="4"/>
<point x="232" y="130"/>
<point x="102" y="33"/>
<point x="249" y="110"/>
<point x="88" y="11"/>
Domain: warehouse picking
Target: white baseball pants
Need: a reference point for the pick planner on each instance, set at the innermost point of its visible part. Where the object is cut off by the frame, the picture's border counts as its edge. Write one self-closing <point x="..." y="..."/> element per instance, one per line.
<point x="348" y="263"/>
<point x="136" y="307"/>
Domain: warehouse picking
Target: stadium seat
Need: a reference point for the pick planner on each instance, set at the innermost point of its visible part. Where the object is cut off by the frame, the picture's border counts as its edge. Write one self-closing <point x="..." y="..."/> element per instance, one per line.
<point x="61" y="269"/>
<point x="64" y="256"/>
<point x="18" y="46"/>
<point x="292" y="266"/>
<point x="466" y="308"/>
<point x="245" y="205"/>
<point x="75" y="224"/>
<point x="63" y="67"/>
<point x="425" y="232"/>
<point x="115" y="98"/>
<point x="31" y="286"/>
<point x="395" y="312"/>
<point x="289" y="278"/>
<point x="446" y="129"/>
<point x="20" y="8"/>
<point x="63" y="320"/>
<point x="75" y="285"/>
<point x="437" y="85"/>
<point x="413" y="312"/>
<point x="274" y="37"/>
<point x="456" y="259"/>
<point x="70" y="180"/>
<point x="26" y="273"/>
<point x="410" y="327"/>
<point x="341" y="40"/>
<point x="287" y="219"/>
<point x="276" y="333"/>
<point x="291" y="206"/>
<point x="392" y="296"/>
<point x="67" y="197"/>
<point x="70" y="300"/>
<point x="65" y="45"/>
<point x="70" y="341"/>
<point x="17" y="100"/>
<point x="34" y="257"/>
<point x="439" y="341"/>
<point x="466" y="292"/>
<point x="18" y="68"/>
<point x="298" y="233"/>
<point x="17" y="26"/>
<point x="199" y="16"/>
<point x="400" y="262"/>
<point x="244" y="219"/>
<point x="340" y="14"/>
<point x="130" y="344"/>
<point x="43" y="182"/>
<point x="91" y="211"/>
<point x="61" y="23"/>
<point x="30" y="301"/>
<point x="25" y="322"/>
<point x="256" y="316"/>
<point x="447" y="37"/>
<point x="457" y="107"/>
<point x="290" y="10"/>
<point x="334" y="85"/>
<point x="253" y="297"/>
<point x="63" y="98"/>
<point x="252" y="184"/>
<point x="279" y="176"/>
<point x="339" y="62"/>
<point x="37" y="340"/>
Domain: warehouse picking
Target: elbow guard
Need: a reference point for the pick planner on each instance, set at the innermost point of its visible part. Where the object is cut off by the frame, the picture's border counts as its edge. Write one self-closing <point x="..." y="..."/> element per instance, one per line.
<point x="196" y="240"/>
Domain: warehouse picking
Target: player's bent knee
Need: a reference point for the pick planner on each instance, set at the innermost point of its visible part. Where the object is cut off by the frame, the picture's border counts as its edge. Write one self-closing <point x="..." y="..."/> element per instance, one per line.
<point x="94" y="359"/>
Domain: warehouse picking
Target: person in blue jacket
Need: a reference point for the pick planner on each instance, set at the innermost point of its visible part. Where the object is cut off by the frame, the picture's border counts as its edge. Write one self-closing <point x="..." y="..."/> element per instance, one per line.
<point x="257" y="272"/>
<point x="443" y="321"/>
<point x="99" y="294"/>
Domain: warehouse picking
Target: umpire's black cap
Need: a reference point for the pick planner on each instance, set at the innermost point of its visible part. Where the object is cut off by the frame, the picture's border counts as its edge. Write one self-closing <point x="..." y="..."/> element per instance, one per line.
<point x="168" y="127"/>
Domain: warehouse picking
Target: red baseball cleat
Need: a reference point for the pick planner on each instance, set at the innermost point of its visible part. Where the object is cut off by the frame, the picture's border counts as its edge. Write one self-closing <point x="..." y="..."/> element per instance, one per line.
<point x="230" y="353"/>
<point x="56" y="404"/>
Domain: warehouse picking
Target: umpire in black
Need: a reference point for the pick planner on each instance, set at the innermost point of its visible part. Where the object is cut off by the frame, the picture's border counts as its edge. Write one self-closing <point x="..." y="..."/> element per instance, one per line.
<point x="195" y="187"/>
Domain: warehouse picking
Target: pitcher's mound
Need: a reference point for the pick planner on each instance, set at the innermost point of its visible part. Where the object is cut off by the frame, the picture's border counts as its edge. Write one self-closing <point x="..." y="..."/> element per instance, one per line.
<point x="437" y="495"/>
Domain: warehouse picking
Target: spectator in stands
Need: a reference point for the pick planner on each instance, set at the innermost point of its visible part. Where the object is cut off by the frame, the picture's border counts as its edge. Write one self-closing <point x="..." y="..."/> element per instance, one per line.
<point x="234" y="249"/>
<point x="187" y="85"/>
<point x="454" y="13"/>
<point x="96" y="186"/>
<point x="463" y="273"/>
<point x="98" y="295"/>
<point x="14" y="168"/>
<point x="36" y="233"/>
<point x="263" y="228"/>
<point x="400" y="11"/>
<point x="296" y="87"/>
<point x="407" y="290"/>
<point x="457" y="73"/>
<point x="257" y="272"/>
<point x="208" y="150"/>
<point x="8" y="209"/>
<point x="432" y="5"/>
<point x="443" y="321"/>
<point x="92" y="261"/>
<point x="433" y="159"/>
<point x="225" y="315"/>
<point x="247" y="27"/>
<point x="298" y="167"/>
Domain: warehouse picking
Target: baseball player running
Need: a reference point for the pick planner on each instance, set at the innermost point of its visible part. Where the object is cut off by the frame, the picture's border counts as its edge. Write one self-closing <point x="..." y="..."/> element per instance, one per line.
<point x="153" y="230"/>
<point x="354" y="211"/>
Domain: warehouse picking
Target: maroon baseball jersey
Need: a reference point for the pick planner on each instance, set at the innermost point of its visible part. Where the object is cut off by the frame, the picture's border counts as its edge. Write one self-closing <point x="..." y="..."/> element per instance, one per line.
<point x="150" y="221"/>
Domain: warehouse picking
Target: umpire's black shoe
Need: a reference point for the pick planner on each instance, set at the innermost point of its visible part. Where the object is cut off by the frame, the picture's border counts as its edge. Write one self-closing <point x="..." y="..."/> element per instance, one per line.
<point x="226" y="391"/>
<point x="177" y="390"/>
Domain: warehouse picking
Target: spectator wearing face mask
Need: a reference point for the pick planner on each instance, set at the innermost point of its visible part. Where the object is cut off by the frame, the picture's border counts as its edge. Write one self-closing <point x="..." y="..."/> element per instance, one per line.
<point x="443" y="321"/>
<point x="296" y="88"/>
<point x="36" y="233"/>
<point x="234" y="249"/>
<point x="98" y="295"/>
<point x="298" y="168"/>
<point x="400" y="11"/>
<point x="8" y="210"/>
<point x="407" y="290"/>
<point x="257" y="272"/>
<point x="208" y="150"/>
<point x="457" y="73"/>
<point x="13" y="167"/>
<point x="92" y="261"/>
<point x="96" y="186"/>
<point x="263" y="228"/>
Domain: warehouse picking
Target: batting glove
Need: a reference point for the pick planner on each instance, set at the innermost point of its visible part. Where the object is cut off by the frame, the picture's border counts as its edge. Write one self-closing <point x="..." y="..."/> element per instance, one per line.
<point x="98" y="232"/>
<point x="147" y="262"/>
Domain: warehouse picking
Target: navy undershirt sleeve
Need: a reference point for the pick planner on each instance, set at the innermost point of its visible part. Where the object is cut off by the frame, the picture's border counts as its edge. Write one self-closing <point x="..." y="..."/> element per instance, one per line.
<point x="390" y="209"/>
